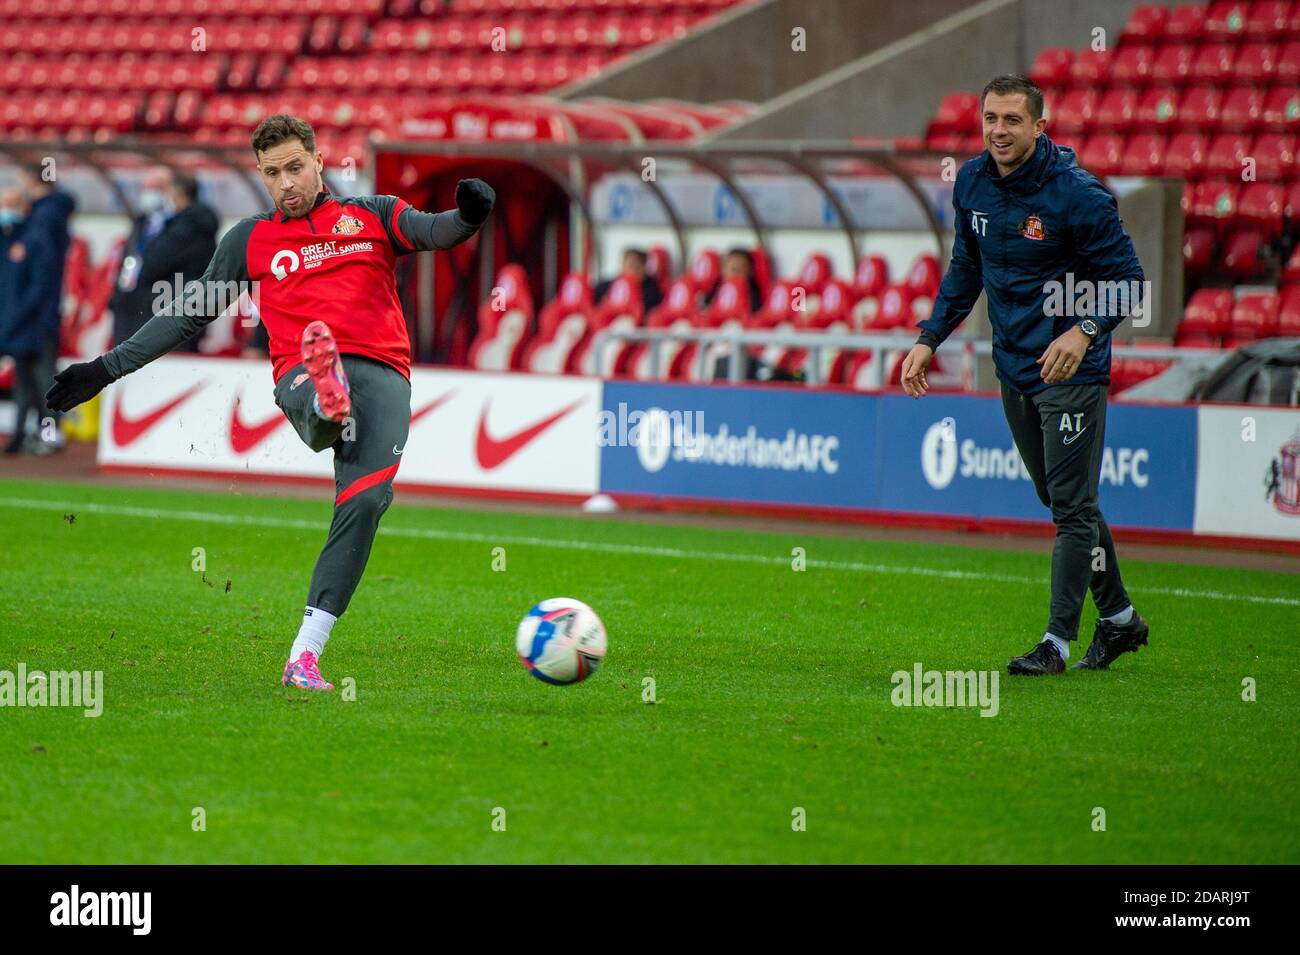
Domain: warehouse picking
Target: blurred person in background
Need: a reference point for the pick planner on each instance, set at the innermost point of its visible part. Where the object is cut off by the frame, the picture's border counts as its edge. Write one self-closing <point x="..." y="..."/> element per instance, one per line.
<point x="51" y="210"/>
<point x="175" y="235"/>
<point x="50" y="214"/>
<point x="739" y="264"/>
<point x="634" y="268"/>
<point x="29" y="329"/>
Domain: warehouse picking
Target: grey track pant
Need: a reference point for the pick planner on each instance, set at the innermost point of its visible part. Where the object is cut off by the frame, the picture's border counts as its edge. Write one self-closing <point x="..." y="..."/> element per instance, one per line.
<point x="367" y="450"/>
<point x="1060" y="433"/>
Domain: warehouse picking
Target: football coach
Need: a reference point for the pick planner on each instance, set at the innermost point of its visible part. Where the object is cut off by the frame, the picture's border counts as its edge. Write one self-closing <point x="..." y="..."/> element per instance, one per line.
<point x="1030" y="222"/>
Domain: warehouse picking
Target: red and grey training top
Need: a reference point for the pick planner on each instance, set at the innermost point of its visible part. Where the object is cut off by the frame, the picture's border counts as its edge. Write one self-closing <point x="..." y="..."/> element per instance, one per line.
<point x="334" y="264"/>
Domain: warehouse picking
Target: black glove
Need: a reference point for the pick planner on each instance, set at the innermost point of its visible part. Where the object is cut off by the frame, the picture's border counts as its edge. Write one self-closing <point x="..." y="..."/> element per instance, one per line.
<point x="76" y="384"/>
<point x="474" y="199"/>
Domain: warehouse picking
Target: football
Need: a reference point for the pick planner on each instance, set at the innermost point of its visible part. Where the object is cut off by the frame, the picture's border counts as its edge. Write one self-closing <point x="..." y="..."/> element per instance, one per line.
<point x="561" y="641"/>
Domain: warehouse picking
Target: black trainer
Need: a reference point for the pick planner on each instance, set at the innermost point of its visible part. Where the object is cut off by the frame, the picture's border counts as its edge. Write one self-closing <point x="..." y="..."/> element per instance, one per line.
<point x="1110" y="640"/>
<point x="1040" y="661"/>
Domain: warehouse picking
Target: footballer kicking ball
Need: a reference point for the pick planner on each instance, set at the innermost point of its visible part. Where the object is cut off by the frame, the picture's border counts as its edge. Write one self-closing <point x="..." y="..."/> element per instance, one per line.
<point x="561" y="641"/>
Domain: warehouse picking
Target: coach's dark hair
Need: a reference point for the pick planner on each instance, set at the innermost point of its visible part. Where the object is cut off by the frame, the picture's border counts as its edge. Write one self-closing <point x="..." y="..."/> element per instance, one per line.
<point x="280" y="128"/>
<point x="1009" y="83"/>
<point x="186" y="183"/>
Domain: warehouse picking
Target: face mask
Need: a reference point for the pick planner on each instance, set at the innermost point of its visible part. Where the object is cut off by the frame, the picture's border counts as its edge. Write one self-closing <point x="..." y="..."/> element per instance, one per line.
<point x="151" y="201"/>
<point x="10" y="218"/>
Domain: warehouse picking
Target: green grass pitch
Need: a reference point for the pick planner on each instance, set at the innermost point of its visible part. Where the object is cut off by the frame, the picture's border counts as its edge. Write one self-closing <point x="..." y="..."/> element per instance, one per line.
<point x="772" y="686"/>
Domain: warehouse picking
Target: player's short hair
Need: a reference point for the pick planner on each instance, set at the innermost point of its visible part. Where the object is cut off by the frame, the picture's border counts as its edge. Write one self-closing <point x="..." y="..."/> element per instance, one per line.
<point x="281" y="128"/>
<point x="1009" y="83"/>
<point x="639" y="253"/>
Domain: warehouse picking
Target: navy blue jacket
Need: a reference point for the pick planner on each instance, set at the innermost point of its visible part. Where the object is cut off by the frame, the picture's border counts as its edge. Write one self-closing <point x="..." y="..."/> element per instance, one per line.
<point x="51" y="214"/>
<point x="1017" y="235"/>
<point x="28" y="280"/>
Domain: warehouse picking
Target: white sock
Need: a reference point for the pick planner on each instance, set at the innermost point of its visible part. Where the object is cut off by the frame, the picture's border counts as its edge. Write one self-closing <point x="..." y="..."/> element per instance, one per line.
<point x="1122" y="618"/>
<point x="315" y="403"/>
<point x="1062" y="646"/>
<point x="314" y="632"/>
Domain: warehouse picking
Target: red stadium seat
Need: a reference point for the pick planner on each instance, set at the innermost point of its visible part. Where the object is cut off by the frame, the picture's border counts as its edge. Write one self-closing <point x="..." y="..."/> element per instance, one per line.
<point x="561" y="327"/>
<point x="815" y="272"/>
<point x="659" y="266"/>
<point x="1091" y="67"/>
<point x="1157" y="108"/>
<point x="1206" y="316"/>
<point x="1288" y="63"/>
<point x="1144" y="155"/>
<point x="1281" y="111"/>
<point x="1256" y="63"/>
<point x="1274" y="155"/>
<point x="895" y="309"/>
<point x="677" y="311"/>
<point x="1213" y="203"/>
<point x="1213" y="63"/>
<point x="1253" y="317"/>
<point x="1132" y="64"/>
<point x="1226" y="155"/>
<point x="1288" y="312"/>
<point x="1267" y="19"/>
<point x="1186" y="24"/>
<point x="704" y="271"/>
<point x="871" y="276"/>
<point x="1101" y="155"/>
<point x="729" y="309"/>
<point x="1259" y="206"/>
<point x="778" y="308"/>
<point x="831" y="315"/>
<point x="1075" y="112"/>
<point x="1117" y="109"/>
<point x="781" y="311"/>
<point x="1051" y="66"/>
<point x="924" y="276"/>
<point x="1242" y="109"/>
<point x="1186" y="156"/>
<point x="958" y="112"/>
<point x="1198" y="248"/>
<point x="1241" y="254"/>
<point x="1147" y="22"/>
<point x="1172" y="64"/>
<point x="620" y="308"/>
<point x="1226" y="20"/>
<point x="504" y="322"/>
<point x="1199" y="108"/>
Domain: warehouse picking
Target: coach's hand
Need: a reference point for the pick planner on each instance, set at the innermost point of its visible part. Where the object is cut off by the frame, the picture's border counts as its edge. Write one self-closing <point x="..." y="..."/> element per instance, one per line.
<point x="1063" y="356"/>
<point x="914" y="366"/>
<point x="474" y="199"/>
<point x="76" y="384"/>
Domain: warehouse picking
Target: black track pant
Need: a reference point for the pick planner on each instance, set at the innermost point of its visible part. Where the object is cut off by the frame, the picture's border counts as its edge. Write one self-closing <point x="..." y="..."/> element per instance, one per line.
<point x="1060" y="433"/>
<point x="33" y="375"/>
<point x="367" y="449"/>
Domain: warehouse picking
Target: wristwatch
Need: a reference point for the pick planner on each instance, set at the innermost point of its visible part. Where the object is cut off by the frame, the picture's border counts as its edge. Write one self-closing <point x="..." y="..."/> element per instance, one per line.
<point x="1089" y="328"/>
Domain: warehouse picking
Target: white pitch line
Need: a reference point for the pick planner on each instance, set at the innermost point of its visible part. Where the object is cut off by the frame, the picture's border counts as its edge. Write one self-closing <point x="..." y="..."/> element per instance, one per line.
<point x="121" y="510"/>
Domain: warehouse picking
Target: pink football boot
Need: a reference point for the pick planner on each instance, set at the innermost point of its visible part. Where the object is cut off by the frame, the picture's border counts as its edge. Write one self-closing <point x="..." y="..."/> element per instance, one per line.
<point x="321" y="357"/>
<point x="304" y="673"/>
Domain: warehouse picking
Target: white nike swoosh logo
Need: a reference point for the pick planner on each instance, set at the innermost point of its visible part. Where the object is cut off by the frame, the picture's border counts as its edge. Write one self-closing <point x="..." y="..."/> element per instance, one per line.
<point x="397" y="450"/>
<point x="1069" y="439"/>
